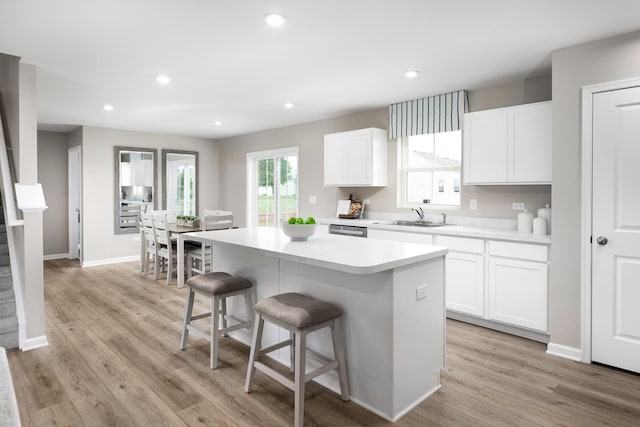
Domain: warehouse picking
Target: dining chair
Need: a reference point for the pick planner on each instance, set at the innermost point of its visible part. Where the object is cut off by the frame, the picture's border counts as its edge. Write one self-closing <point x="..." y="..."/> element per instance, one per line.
<point x="146" y="225"/>
<point x="200" y="260"/>
<point x="166" y="251"/>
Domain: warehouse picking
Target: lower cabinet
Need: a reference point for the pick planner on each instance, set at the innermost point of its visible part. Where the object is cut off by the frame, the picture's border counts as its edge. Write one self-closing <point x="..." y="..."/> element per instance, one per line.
<point x="518" y="284"/>
<point x="464" y="274"/>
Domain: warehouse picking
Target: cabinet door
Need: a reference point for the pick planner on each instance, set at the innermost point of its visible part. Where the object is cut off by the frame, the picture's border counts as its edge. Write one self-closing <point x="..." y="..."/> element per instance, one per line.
<point x="357" y="158"/>
<point x="518" y="292"/>
<point x="465" y="283"/>
<point x="334" y="158"/>
<point x="484" y="146"/>
<point x="530" y="143"/>
<point x="399" y="236"/>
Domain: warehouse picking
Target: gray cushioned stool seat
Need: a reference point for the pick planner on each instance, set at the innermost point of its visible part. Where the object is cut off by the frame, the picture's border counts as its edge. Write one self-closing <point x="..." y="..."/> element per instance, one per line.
<point x="297" y="310"/>
<point x="218" y="283"/>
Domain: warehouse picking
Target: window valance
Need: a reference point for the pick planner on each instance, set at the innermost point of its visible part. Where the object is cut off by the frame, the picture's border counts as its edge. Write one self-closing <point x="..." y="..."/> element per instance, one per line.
<point x="434" y="114"/>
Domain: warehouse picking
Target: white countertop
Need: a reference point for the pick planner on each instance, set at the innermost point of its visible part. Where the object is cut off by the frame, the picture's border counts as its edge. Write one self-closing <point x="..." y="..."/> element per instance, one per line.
<point x="342" y="253"/>
<point x="448" y="230"/>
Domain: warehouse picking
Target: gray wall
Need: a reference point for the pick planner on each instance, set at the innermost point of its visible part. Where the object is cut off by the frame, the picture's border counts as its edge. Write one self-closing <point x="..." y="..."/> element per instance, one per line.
<point x="98" y="237"/>
<point x="493" y="201"/>
<point x="602" y="61"/>
<point x="52" y="173"/>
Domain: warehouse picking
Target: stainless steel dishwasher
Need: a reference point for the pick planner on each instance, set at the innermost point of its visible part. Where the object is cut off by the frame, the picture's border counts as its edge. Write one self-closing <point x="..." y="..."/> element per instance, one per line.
<point x="348" y="230"/>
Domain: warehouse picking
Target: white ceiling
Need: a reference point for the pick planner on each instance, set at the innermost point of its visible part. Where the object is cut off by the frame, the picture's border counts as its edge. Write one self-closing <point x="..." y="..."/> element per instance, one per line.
<point x="332" y="57"/>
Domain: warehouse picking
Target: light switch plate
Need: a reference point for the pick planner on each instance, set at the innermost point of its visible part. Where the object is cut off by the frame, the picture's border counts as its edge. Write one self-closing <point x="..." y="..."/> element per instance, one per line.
<point x="473" y="204"/>
<point x="313" y="200"/>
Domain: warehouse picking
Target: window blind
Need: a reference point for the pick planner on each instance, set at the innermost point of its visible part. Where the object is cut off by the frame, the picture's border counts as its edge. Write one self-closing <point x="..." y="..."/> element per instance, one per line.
<point x="434" y="114"/>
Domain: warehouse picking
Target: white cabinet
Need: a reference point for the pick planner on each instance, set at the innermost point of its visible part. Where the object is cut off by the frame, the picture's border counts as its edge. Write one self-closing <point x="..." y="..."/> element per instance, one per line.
<point x="138" y="172"/>
<point x="399" y="236"/>
<point x="143" y="172"/>
<point x="518" y="284"/>
<point x="464" y="274"/>
<point x="509" y="145"/>
<point x="356" y="158"/>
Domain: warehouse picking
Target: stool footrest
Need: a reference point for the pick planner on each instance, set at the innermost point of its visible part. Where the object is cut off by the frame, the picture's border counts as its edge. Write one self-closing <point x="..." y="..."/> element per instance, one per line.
<point x="235" y="318"/>
<point x="326" y="368"/>
<point x="274" y="347"/>
<point x="275" y="375"/>
<point x="235" y="327"/>
<point x="200" y="316"/>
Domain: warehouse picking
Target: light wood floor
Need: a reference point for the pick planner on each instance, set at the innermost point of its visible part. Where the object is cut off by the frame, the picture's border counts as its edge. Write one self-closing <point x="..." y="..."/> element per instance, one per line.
<point x="113" y="359"/>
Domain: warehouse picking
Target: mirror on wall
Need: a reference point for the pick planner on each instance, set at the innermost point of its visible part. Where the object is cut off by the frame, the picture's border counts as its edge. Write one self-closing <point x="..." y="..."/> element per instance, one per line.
<point x="180" y="184"/>
<point x="135" y="184"/>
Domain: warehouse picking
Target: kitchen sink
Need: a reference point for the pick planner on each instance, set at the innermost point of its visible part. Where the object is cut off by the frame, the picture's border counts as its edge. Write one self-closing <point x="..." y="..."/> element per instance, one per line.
<point x="419" y="223"/>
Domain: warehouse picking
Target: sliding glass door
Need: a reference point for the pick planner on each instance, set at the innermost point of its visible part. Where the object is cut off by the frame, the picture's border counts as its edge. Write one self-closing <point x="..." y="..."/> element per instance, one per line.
<point x="272" y="187"/>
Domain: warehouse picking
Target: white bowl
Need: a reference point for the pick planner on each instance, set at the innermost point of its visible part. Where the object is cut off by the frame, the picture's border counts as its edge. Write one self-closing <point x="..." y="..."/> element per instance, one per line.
<point x="298" y="232"/>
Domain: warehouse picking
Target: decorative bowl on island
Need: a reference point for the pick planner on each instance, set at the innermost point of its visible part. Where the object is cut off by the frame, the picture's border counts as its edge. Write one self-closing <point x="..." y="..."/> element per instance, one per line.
<point x="298" y="232"/>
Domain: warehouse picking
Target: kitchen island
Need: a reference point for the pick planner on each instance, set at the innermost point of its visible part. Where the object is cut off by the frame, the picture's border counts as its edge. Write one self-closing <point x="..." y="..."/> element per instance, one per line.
<point x="392" y="295"/>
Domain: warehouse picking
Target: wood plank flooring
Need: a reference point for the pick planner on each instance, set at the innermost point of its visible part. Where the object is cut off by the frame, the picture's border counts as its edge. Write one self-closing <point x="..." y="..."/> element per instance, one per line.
<point x="113" y="360"/>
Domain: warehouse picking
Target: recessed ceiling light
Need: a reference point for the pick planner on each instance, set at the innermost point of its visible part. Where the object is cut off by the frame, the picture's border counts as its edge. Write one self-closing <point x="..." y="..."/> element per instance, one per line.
<point x="217" y="123"/>
<point x="411" y="74"/>
<point x="274" y="19"/>
<point x="107" y="107"/>
<point x="163" y="80"/>
<point x="288" y="105"/>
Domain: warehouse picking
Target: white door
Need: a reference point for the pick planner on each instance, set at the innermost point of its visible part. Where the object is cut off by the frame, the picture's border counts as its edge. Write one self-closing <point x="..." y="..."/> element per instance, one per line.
<point x="272" y="187"/>
<point x="75" y="201"/>
<point x="616" y="229"/>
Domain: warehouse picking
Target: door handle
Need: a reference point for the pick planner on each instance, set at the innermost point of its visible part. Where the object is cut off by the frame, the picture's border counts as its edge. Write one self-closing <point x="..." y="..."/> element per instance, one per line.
<point x="601" y="240"/>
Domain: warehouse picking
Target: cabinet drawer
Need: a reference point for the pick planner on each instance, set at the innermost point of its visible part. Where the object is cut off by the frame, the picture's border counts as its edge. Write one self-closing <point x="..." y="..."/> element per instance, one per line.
<point x="519" y="250"/>
<point x="461" y="244"/>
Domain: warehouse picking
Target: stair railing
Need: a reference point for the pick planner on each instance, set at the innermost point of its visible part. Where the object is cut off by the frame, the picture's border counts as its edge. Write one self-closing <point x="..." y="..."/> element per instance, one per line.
<point x="8" y="174"/>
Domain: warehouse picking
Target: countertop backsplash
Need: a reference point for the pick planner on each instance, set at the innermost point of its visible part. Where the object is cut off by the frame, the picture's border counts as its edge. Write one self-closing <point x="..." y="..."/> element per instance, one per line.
<point x="468" y="221"/>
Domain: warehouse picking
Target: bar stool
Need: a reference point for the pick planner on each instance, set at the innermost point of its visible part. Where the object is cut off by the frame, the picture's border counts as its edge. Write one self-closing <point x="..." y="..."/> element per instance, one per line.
<point x="300" y="315"/>
<point x="218" y="286"/>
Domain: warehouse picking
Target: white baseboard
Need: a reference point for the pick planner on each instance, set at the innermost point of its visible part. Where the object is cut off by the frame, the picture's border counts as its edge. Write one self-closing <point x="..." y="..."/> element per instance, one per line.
<point x="564" y="351"/>
<point x="33" y="343"/>
<point x="110" y="261"/>
<point x="55" y="256"/>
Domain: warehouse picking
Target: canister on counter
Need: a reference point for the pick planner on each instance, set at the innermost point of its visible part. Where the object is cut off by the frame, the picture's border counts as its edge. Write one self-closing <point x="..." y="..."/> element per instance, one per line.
<point x="546" y="214"/>
<point x="525" y="222"/>
<point x="539" y="226"/>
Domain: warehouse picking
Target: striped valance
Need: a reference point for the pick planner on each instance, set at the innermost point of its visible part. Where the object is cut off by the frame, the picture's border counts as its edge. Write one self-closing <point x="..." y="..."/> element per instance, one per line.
<point x="440" y="113"/>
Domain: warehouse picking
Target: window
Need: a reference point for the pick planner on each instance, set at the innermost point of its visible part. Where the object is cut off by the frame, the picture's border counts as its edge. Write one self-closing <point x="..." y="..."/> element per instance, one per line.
<point x="272" y="187"/>
<point x="430" y="169"/>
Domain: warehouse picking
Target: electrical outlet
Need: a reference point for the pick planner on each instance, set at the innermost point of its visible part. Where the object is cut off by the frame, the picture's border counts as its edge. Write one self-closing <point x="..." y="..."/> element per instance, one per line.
<point x="421" y="292"/>
<point x="312" y="200"/>
<point x="518" y="206"/>
<point x="473" y="204"/>
<point x="366" y="201"/>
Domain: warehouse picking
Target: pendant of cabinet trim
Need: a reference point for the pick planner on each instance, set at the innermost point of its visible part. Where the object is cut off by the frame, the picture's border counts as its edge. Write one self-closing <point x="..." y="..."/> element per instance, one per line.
<point x="356" y="158"/>
<point x="510" y="145"/>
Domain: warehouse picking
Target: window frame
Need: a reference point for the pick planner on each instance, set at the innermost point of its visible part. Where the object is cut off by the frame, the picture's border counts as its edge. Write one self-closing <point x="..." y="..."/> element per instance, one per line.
<point x="403" y="176"/>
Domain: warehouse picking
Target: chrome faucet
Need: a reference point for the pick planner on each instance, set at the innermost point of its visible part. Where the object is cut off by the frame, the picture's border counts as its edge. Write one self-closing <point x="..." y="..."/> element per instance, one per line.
<point x="444" y="217"/>
<point x="420" y="213"/>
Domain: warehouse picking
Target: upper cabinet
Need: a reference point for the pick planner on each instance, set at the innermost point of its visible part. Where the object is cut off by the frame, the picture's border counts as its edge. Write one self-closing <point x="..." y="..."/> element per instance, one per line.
<point x="509" y="145"/>
<point x="356" y="158"/>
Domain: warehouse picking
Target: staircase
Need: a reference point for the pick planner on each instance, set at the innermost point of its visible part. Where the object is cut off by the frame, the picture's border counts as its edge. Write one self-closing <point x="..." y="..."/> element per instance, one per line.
<point x="8" y="319"/>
